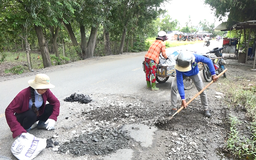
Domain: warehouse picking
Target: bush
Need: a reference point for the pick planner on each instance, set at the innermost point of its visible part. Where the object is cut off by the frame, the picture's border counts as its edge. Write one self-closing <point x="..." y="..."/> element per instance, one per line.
<point x="3" y="56"/>
<point x="15" y="70"/>
<point x="59" y="60"/>
<point x="72" y="53"/>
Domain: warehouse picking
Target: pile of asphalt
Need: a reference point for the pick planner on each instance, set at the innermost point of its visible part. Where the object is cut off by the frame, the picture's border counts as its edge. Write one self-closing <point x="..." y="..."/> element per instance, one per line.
<point x="99" y="142"/>
<point x="81" y="98"/>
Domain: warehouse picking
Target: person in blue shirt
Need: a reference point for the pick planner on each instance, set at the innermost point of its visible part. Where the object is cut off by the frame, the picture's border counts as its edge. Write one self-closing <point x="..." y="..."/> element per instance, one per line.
<point x="186" y="66"/>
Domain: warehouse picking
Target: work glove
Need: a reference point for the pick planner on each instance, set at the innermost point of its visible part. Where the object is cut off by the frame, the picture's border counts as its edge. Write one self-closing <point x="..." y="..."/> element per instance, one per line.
<point x="50" y="124"/>
<point x="25" y="135"/>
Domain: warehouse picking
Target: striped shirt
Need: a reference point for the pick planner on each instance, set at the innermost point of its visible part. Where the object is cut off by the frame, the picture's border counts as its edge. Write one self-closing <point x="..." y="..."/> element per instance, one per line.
<point x="155" y="49"/>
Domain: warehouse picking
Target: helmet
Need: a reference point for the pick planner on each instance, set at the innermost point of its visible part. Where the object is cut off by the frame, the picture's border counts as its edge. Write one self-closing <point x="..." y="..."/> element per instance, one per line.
<point x="184" y="61"/>
<point x="161" y="33"/>
<point x="162" y="36"/>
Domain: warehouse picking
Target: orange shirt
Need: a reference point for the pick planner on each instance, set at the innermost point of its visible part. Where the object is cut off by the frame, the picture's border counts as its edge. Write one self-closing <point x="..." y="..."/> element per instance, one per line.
<point x="155" y="49"/>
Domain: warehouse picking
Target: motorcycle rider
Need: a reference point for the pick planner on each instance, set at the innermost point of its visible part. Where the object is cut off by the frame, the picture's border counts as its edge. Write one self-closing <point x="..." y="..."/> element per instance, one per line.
<point x="152" y="59"/>
<point x="207" y="41"/>
<point x="186" y="66"/>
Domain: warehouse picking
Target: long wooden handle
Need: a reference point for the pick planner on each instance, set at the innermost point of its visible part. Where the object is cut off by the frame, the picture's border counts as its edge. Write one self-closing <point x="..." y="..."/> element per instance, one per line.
<point x="182" y="107"/>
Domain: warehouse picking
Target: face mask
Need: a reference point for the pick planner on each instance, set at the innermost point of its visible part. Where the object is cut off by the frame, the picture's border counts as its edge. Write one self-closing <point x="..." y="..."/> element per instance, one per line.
<point x="37" y="92"/>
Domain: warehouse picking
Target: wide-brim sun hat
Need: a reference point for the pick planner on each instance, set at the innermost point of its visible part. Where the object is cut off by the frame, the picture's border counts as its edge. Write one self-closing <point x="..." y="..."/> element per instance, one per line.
<point x="184" y="61"/>
<point x="41" y="81"/>
<point x="181" y="69"/>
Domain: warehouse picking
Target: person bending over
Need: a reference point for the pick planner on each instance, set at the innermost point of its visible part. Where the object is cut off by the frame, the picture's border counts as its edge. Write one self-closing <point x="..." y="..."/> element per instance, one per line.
<point x="186" y="66"/>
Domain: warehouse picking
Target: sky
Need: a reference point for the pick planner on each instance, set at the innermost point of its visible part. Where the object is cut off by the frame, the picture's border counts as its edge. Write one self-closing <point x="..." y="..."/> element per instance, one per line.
<point x="196" y="9"/>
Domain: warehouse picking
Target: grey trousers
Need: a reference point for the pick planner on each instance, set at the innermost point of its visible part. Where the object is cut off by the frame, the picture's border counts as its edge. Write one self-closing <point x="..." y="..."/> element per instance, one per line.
<point x="199" y="85"/>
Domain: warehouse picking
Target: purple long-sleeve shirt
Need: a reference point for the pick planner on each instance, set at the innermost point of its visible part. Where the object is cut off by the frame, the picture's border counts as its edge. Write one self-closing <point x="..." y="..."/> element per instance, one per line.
<point x="20" y="104"/>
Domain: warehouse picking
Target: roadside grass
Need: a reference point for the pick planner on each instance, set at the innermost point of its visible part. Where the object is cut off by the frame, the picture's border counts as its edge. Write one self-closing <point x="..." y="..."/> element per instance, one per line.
<point x="19" y="61"/>
<point x="20" y="64"/>
<point x="20" y="58"/>
<point x="169" y="44"/>
<point x="242" y="96"/>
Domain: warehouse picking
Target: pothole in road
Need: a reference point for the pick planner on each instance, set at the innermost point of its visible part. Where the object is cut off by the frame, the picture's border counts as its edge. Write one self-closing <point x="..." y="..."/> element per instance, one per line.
<point x="115" y="109"/>
<point x="111" y="111"/>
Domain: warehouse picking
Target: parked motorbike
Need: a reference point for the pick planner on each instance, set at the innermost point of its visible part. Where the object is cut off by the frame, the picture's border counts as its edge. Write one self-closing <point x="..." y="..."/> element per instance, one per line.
<point x="218" y="63"/>
<point x="165" y="69"/>
<point x="206" y="42"/>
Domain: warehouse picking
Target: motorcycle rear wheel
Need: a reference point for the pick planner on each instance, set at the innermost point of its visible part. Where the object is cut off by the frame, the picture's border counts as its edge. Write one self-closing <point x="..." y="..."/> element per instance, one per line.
<point x="161" y="79"/>
<point x="207" y="74"/>
<point x="188" y="83"/>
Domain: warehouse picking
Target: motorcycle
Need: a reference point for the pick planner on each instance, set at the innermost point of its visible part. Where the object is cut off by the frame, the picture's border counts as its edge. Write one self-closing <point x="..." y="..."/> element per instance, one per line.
<point x="218" y="63"/>
<point x="165" y="69"/>
<point x="206" y="42"/>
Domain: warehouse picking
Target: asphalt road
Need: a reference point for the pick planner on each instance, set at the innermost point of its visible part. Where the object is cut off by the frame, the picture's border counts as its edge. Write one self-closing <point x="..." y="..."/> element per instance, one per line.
<point x="111" y="74"/>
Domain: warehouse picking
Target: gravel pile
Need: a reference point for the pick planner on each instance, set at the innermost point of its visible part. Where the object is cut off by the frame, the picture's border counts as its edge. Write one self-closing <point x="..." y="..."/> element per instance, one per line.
<point x="100" y="142"/>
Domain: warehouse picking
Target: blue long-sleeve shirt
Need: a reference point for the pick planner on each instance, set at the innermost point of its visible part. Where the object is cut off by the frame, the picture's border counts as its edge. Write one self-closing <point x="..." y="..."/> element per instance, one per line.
<point x="192" y="72"/>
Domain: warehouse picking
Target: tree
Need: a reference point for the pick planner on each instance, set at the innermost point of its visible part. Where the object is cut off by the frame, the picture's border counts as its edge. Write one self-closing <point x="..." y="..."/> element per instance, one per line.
<point x="39" y="14"/>
<point x="167" y="24"/>
<point x="132" y="16"/>
<point x="237" y="10"/>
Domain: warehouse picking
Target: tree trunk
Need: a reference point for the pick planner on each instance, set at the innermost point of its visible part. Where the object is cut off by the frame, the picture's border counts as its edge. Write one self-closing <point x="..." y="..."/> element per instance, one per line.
<point x="132" y="40"/>
<point x="107" y="42"/>
<point x="27" y="53"/>
<point x="43" y="47"/>
<point x="122" y="41"/>
<point x="63" y="48"/>
<point x="91" y="43"/>
<point x="55" y="33"/>
<point x="22" y="45"/>
<point x="71" y="34"/>
<point x="83" y="40"/>
<point x="127" y="42"/>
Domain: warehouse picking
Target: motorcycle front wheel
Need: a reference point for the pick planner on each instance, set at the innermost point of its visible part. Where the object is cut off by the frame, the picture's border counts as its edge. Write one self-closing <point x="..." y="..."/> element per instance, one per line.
<point x="221" y="69"/>
<point x="207" y="74"/>
<point x="188" y="83"/>
<point x="161" y="79"/>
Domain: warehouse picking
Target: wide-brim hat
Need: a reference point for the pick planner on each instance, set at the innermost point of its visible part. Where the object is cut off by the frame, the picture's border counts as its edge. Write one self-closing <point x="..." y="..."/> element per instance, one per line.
<point x="185" y="69"/>
<point x="41" y="81"/>
<point x="181" y="69"/>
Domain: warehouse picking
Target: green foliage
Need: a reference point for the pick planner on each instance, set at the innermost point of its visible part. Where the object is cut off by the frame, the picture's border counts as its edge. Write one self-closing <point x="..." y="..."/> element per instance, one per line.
<point x="241" y="147"/>
<point x="59" y="60"/>
<point x="15" y="70"/>
<point x="232" y="34"/>
<point x="243" y="99"/>
<point x="3" y="56"/>
<point x="239" y="11"/>
<point x="247" y="99"/>
<point x="185" y="29"/>
<point x="72" y="53"/>
<point x="168" y="44"/>
<point x="167" y="24"/>
<point x="138" y="45"/>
